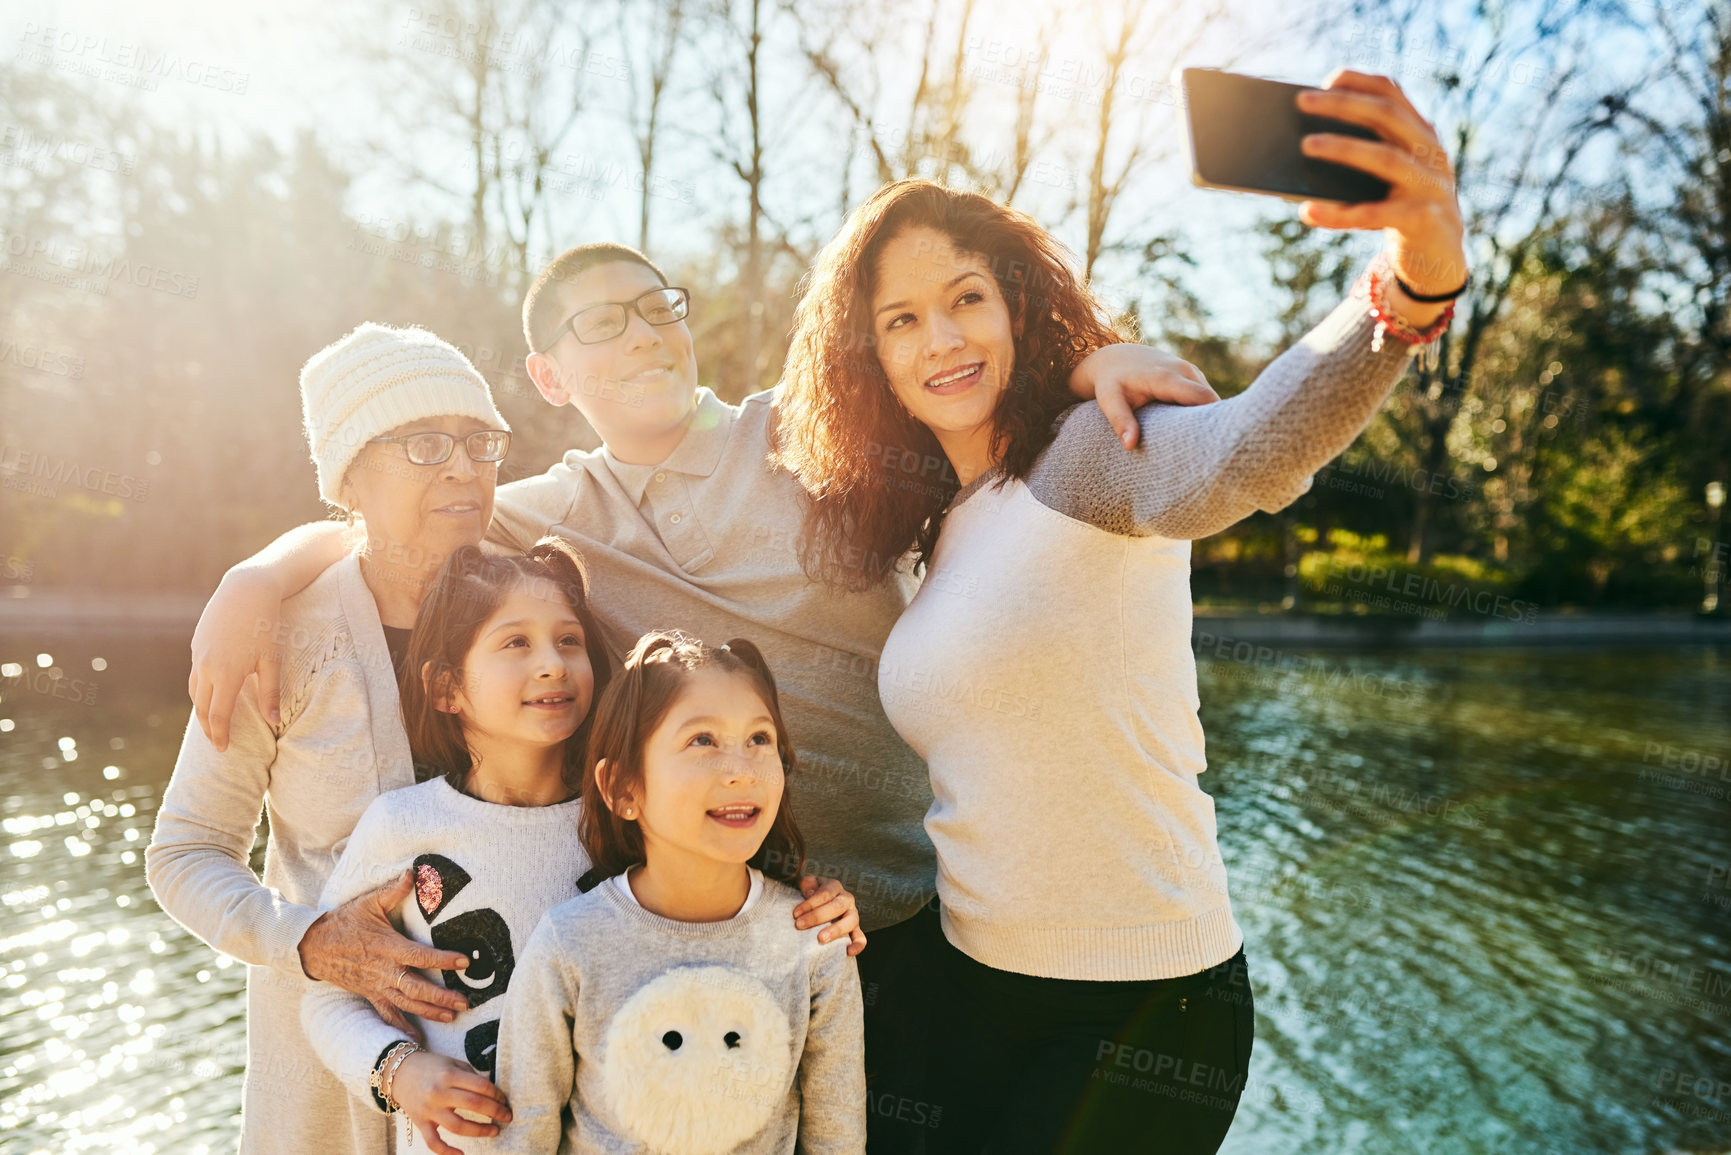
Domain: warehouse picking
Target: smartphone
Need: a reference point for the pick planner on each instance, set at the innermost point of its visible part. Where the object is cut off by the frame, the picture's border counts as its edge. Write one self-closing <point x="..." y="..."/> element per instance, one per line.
<point x="1245" y="133"/>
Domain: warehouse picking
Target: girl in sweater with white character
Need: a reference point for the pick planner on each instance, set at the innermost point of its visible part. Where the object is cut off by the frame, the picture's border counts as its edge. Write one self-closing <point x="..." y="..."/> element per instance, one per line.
<point x="669" y="1008"/>
<point x="505" y="664"/>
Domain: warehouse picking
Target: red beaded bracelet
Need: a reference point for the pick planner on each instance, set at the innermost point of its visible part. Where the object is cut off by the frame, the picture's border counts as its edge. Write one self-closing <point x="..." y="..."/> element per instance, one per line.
<point x="1423" y="342"/>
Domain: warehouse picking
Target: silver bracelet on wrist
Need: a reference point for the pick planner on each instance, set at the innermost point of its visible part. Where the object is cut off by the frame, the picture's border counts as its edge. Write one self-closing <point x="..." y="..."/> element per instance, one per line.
<point x="384" y="1075"/>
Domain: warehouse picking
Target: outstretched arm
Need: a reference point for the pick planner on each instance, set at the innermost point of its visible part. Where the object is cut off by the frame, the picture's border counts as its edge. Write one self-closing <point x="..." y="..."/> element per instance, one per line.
<point x="236" y="632"/>
<point x="1202" y="469"/>
<point x="1211" y="465"/>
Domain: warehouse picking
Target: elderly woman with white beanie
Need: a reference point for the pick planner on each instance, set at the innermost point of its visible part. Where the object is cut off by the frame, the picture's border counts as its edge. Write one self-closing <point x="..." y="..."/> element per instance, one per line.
<point x="404" y="432"/>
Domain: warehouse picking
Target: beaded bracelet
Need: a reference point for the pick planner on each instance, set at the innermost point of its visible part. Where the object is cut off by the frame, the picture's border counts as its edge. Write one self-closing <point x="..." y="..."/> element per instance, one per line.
<point x="1422" y="342"/>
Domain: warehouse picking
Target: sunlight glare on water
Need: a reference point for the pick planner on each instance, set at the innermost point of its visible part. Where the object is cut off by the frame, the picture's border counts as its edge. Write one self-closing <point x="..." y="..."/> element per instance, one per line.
<point x="1485" y="903"/>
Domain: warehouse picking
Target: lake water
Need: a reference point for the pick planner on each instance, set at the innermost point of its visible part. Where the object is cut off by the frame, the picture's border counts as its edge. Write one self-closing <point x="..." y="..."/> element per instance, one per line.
<point x="1485" y="896"/>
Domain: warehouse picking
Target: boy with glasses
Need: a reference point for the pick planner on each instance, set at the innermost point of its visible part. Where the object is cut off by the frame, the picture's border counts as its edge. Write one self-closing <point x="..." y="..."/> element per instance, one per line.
<point x="683" y="523"/>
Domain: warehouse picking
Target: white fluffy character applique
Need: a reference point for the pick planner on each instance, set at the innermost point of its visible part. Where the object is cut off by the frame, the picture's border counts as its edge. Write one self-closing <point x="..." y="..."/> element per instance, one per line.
<point x="697" y="1061"/>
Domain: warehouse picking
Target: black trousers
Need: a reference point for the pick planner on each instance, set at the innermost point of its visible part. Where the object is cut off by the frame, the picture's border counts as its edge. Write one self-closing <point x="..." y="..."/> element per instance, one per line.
<point x="899" y="972"/>
<point x="1037" y="1065"/>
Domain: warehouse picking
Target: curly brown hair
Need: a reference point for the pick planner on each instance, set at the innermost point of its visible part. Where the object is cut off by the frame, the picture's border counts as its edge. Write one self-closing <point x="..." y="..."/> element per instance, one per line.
<point x="841" y="429"/>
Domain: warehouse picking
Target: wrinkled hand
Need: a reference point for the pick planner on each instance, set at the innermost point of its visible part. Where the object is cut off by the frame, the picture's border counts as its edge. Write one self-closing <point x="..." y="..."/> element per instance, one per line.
<point x="356" y="947"/>
<point x="235" y="637"/>
<point x="431" y="1088"/>
<point x="827" y="900"/>
<point x="1421" y="216"/>
<point x="1122" y="378"/>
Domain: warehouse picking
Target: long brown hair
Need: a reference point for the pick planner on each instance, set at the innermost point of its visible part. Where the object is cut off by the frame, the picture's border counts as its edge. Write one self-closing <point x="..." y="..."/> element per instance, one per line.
<point x="841" y="429"/>
<point x="634" y="705"/>
<point x="469" y="589"/>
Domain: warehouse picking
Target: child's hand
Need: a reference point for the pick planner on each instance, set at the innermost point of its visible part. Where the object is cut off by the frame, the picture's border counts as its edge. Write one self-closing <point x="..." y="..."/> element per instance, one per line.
<point x="832" y="903"/>
<point x="431" y="1088"/>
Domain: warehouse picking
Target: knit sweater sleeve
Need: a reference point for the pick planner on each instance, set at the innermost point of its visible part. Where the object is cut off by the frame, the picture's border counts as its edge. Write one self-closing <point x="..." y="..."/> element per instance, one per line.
<point x="343" y="1028"/>
<point x="832" y="1086"/>
<point x="526" y="511"/>
<point x="1198" y="469"/>
<point x="537" y="1063"/>
<point x="198" y="863"/>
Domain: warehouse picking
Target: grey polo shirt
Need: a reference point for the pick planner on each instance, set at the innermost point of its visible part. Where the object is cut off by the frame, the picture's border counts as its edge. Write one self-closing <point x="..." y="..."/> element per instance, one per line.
<point x="707" y="542"/>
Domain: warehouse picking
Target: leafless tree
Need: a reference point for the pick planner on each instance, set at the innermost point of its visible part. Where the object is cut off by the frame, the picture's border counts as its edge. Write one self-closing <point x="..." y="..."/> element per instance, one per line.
<point x="663" y="23"/>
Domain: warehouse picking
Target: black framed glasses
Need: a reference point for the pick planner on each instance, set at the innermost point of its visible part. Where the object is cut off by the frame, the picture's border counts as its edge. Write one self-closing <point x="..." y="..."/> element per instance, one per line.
<point x="604" y="322"/>
<point x="483" y="446"/>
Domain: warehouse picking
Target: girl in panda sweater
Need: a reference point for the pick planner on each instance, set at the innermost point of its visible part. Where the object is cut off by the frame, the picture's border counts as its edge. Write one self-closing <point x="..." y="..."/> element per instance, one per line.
<point x="505" y="663"/>
<point x="669" y="1008"/>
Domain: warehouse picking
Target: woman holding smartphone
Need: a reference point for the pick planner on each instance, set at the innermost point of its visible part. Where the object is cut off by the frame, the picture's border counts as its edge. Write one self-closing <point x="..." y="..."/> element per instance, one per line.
<point x="1094" y="991"/>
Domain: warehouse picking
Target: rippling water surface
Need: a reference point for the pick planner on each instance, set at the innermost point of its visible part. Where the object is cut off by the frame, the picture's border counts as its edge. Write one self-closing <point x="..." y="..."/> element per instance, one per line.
<point x="1485" y="896"/>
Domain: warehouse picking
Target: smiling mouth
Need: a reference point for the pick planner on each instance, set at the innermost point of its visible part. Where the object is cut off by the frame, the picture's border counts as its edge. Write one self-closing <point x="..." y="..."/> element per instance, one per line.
<point x="551" y="701"/>
<point x="651" y="371"/>
<point x="964" y="375"/>
<point x="460" y="508"/>
<point x="738" y="817"/>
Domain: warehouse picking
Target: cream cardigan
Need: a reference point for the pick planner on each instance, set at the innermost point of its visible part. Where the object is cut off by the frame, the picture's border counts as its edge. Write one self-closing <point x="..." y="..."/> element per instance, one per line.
<point x="340" y="745"/>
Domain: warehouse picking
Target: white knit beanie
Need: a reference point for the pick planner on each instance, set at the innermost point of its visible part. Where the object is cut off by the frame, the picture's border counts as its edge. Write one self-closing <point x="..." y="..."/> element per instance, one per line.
<point x="376" y="379"/>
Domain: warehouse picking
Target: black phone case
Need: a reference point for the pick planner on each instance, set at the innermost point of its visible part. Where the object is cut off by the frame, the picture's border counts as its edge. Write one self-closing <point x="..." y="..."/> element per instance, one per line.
<point x="1245" y="133"/>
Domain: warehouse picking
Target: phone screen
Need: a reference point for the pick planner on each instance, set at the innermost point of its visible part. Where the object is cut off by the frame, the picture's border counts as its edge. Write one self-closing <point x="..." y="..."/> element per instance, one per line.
<point x="1245" y="133"/>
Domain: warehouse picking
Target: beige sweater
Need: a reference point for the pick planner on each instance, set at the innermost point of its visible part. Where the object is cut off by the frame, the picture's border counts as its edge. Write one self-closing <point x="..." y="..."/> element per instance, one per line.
<point x="1044" y="669"/>
<point x="341" y="744"/>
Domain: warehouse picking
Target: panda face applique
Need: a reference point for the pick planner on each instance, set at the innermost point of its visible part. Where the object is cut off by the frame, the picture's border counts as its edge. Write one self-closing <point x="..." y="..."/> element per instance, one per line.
<point x="480" y="934"/>
<point x="696" y="1061"/>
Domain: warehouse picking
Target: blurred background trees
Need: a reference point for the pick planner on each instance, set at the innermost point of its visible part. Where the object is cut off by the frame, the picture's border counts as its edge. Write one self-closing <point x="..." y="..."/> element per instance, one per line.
<point x="165" y="281"/>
